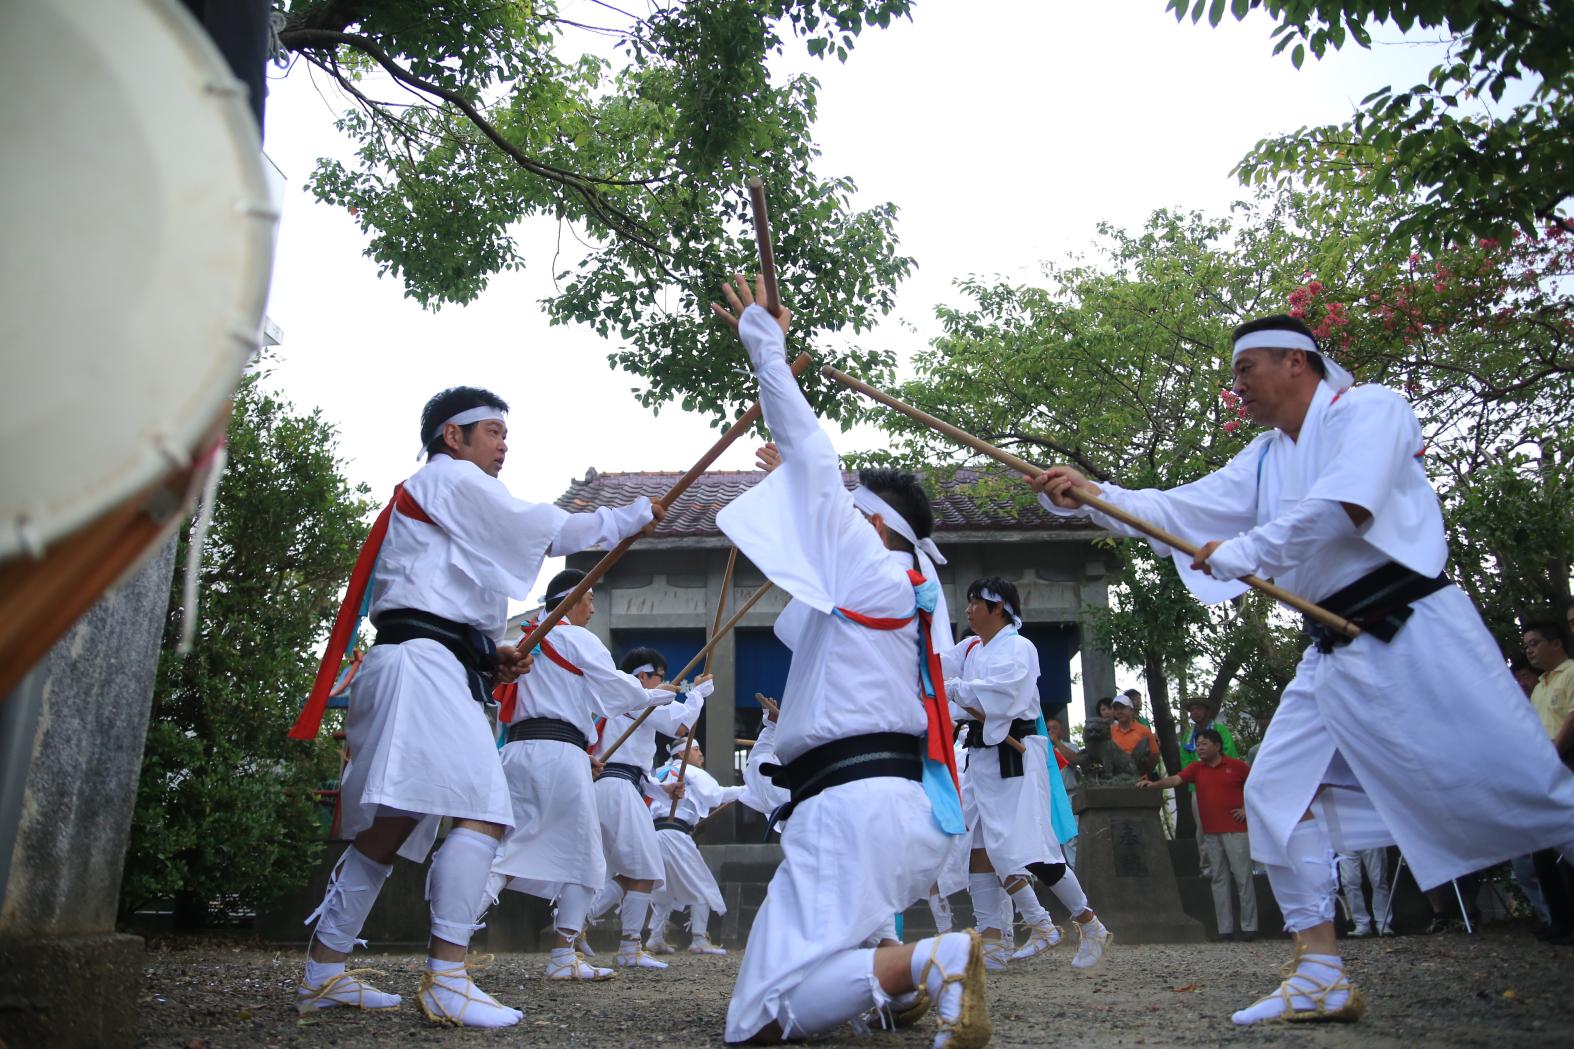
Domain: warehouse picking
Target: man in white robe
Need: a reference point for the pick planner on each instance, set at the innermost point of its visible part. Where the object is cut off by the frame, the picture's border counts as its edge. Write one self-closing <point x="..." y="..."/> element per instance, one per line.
<point x="993" y="679"/>
<point x="420" y="746"/>
<point x="554" y="850"/>
<point x="863" y="840"/>
<point x="1333" y="503"/>
<point x="689" y="882"/>
<point x="628" y="839"/>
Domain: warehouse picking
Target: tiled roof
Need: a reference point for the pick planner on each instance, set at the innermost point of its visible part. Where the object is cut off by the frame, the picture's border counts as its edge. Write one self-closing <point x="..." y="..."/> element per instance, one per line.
<point x="695" y="513"/>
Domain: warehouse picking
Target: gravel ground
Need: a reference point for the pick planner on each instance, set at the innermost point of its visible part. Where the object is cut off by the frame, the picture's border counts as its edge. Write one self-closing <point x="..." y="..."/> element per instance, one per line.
<point x="1497" y="989"/>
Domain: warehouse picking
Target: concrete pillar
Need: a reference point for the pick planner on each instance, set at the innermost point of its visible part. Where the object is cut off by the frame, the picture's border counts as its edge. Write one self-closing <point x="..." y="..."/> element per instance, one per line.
<point x="721" y="707"/>
<point x="70" y="980"/>
<point x="1098" y="667"/>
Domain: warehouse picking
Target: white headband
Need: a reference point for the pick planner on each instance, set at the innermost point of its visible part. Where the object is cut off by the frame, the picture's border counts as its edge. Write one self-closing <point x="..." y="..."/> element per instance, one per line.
<point x="1337" y="375"/>
<point x="465" y="418"/>
<point x="994" y="598"/>
<point x="870" y="503"/>
<point x="643" y="668"/>
<point x="560" y="595"/>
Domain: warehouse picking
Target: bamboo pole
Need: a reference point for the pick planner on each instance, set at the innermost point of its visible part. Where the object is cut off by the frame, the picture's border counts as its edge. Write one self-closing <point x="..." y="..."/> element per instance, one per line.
<point x="1022" y="466"/>
<point x="743" y="610"/>
<point x="762" y="237"/>
<point x="745" y="422"/>
<point x="721" y="608"/>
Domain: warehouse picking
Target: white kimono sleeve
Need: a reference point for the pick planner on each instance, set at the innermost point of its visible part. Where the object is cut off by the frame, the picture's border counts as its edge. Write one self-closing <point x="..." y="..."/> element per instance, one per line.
<point x="675" y="716"/>
<point x="605" y="526"/>
<point x="612" y="692"/>
<point x="502" y="539"/>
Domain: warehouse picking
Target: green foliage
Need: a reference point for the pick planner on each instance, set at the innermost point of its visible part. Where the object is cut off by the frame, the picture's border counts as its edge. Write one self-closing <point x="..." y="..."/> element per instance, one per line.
<point x="644" y="161"/>
<point x="1475" y="166"/>
<point x="224" y="812"/>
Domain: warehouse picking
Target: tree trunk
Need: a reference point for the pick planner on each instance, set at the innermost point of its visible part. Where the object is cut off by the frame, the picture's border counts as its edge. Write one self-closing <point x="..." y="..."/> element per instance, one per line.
<point x="1164" y="729"/>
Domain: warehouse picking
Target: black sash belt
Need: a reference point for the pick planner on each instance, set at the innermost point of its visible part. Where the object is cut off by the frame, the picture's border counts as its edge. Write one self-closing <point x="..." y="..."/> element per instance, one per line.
<point x="633" y="773"/>
<point x="673" y="823"/>
<point x="546" y="728"/>
<point x="475" y="651"/>
<point x="844" y="761"/>
<point x="1010" y="757"/>
<point x="1379" y="603"/>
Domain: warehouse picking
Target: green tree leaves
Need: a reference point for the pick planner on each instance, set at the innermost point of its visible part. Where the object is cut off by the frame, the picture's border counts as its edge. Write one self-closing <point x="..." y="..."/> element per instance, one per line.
<point x="645" y="160"/>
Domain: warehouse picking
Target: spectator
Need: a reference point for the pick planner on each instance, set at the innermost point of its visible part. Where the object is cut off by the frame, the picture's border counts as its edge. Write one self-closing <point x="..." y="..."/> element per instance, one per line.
<point x="1130" y="735"/>
<point x="1066" y="756"/>
<point x="1524" y="867"/>
<point x="1262" y="730"/>
<point x="1221" y="802"/>
<point x="1136" y="706"/>
<point x="1547" y="648"/>
<point x="1203" y="715"/>
<point x="1375" y="863"/>
<point x="1105" y="709"/>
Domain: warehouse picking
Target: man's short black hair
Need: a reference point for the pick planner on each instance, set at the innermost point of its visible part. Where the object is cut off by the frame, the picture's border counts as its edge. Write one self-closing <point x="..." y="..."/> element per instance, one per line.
<point x="638" y="657"/>
<point x="1213" y="734"/>
<point x="906" y="496"/>
<point x="446" y="405"/>
<point x="1549" y="630"/>
<point x="1284" y="322"/>
<point x="561" y="583"/>
<point x="1000" y="587"/>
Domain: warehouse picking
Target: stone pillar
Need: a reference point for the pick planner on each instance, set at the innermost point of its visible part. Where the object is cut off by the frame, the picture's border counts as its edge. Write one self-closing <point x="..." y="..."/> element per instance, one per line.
<point x="1123" y="863"/>
<point x="70" y="980"/>
<point x="721" y="707"/>
<point x="1098" y="668"/>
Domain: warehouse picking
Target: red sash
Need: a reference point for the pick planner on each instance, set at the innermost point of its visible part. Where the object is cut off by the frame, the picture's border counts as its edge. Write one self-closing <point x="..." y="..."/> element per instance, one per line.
<point x="350" y="610"/>
<point x="937" y="712"/>
<point x="507" y="696"/>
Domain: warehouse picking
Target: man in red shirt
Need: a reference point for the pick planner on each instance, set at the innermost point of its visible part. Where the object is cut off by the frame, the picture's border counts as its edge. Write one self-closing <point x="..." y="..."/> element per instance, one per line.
<point x="1221" y="803"/>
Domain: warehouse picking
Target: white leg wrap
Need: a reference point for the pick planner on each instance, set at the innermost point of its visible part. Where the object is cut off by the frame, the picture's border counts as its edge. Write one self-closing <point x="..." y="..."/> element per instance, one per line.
<point x="1068" y="890"/>
<point x="989" y="900"/>
<point x="1305" y="889"/>
<point x="456" y="886"/>
<point x="573" y="903"/>
<point x="1027" y="905"/>
<point x="610" y="895"/>
<point x="353" y="888"/>
<point x="940" y="907"/>
<point x="635" y="909"/>
<point x="699" y="919"/>
<point x="838" y="989"/>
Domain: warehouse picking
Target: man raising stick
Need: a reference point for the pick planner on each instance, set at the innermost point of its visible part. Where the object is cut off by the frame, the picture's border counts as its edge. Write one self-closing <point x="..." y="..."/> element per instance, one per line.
<point x="1334" y="504"/>
<point x="861" y="840"/>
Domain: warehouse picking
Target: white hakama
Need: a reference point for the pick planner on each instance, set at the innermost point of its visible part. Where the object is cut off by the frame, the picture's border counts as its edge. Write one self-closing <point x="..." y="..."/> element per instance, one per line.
<point x="689" y="880"/>
<point x="1380" y="723"/>
<point x="556" y="838"/>
<point x="626" y="835"/>
<point x="857" y="853"/>
<point x="420" y="744"/>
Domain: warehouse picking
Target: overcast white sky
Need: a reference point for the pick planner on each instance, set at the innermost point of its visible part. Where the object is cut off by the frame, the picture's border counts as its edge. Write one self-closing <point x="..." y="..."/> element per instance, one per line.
<point x="1005" y="130"/>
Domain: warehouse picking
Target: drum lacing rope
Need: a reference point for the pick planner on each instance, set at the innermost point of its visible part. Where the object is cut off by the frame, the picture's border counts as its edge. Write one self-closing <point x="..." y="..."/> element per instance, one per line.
<point x="278" y="54"/>
<point x="194" y="549"/>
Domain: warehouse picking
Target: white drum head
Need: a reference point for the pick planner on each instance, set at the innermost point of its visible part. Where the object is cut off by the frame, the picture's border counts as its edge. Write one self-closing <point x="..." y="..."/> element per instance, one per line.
<point x="137" y="248"/>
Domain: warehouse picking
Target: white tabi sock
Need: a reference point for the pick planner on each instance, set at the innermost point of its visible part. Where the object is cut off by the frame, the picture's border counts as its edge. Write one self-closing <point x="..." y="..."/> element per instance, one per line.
<point x="353" y="888"/>
<point x="456" y="886"/>
<point x="989" y="900"/>
<point x="836" y="990"/>
<point x="572" y="904"/>
<point x="1304" y="990"/>
<point x="326" y="985"/>
<point x="636" y="906"/>
<point x="1068" y="890"/>
<point x="940" y="907"/>
<point x="957" y="1019"/>
<point x="448" y="995"/>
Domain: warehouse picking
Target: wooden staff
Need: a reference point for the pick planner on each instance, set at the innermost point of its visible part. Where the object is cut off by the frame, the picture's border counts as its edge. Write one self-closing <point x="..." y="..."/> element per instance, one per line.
<point x="745" y="742"/>
<point x="1295" y="601"/>
<point x="698" y="657"/>
<point x="762" y="236"/>
<point x="745" y="422"/>
<point x="721" y="608"/>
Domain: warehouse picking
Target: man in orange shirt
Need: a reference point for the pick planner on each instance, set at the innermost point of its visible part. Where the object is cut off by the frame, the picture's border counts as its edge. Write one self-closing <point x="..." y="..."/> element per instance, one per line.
<point x="1133" y="736"/>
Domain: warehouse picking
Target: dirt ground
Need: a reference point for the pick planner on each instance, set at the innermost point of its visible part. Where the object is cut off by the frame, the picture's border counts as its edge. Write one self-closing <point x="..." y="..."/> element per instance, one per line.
<point x="1501" y="988"/>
